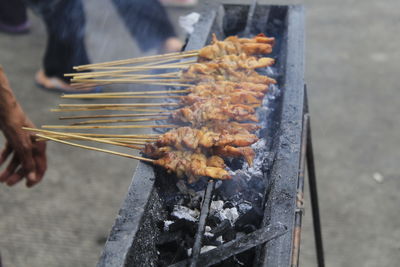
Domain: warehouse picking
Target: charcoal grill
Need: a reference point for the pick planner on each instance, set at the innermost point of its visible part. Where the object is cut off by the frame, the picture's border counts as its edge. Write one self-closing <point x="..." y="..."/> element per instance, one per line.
<point x="136" y="232"/>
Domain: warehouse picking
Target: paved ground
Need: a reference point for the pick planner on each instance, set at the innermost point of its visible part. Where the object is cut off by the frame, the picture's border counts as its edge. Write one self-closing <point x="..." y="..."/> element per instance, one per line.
<point x="352" y="72"/>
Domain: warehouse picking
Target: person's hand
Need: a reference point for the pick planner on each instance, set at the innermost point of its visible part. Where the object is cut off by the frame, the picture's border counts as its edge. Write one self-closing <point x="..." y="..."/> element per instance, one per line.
<point x="28" y="157"/>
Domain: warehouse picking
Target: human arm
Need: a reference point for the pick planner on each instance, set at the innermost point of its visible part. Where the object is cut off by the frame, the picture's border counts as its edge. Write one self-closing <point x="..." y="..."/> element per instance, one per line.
<point x="28" y="157"/>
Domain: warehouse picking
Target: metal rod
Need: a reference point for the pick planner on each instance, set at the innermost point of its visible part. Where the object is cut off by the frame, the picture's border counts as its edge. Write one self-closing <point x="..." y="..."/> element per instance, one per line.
<point x="312" y="179"/>
<point x="314" y="198"/>
<point x="237" y="246"/>
<point x="300" y="195"/>
<point x="202" y="224"/>
<point x="250" y="16"/>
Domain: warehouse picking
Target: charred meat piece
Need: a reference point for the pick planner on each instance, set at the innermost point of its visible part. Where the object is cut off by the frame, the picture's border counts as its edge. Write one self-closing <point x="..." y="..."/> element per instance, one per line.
<point x="233" y="45"/>
<point x="215" y="109"/>
<point x="193" y="165"/>
<point x="183" y="138"/>
<point x="229" y="68"/>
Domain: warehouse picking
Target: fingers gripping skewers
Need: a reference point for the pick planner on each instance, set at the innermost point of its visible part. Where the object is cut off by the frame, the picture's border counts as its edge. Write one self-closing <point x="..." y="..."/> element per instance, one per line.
<point x="214" y="121"/>
<point x="183" y="163"/>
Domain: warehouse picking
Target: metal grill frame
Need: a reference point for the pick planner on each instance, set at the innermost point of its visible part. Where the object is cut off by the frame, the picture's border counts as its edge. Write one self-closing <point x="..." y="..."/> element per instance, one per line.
<point x="282" y="198"/>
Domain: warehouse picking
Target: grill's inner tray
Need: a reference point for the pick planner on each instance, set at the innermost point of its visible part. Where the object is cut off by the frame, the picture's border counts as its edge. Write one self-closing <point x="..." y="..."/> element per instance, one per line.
<point x="134" y="236"/>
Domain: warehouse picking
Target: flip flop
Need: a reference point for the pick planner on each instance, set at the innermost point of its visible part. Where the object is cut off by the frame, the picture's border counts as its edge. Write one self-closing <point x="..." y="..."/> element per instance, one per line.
<point x="55" y="84"/>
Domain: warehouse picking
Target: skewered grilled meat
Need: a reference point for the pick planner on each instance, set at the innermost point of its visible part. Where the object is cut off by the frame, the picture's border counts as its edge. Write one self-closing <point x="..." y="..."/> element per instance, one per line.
<point x="231" y="127"/>
<point x="231" y="68"/>
<point x="260" y="38"/>
<point x="247" y="152"/>
<point x="236" y="46"/>
<point x="233" y="98"/>
<point x="189" y="138"/>
<point x="212" y="73"/>
<point x="226" y="87"/>
<point x="193" y="165"/>
<point x="214" y="109"/>
<point x="230" y="151"/>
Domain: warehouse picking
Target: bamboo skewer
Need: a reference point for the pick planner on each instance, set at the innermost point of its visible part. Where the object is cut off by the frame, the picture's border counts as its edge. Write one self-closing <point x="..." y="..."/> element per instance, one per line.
<point x="114" y="116"/>
<point x="107" y="126"/>
<point x="138" y="60"/>
<point x="82" y="85"/>
<point x="96" y="149"/>
<point x="118" y="120"/>
<point x="131" y="136"/>
<point x="105" y="71"/>
<point x="86" y="138"/>
<point x="120" y="105"/>
<point x="99" y="95"/>
<point x="120" y="142"/>
<point x="129" y="97"/>
<point x="90" y="75"/>
<point x="111" y="81"/>
<point x="158" y="62"/>
<point x="104" y="108"/>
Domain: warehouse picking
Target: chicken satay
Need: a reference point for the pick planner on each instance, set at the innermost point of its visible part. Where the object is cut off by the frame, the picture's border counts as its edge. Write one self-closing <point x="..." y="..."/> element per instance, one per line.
<point x="233" y="98"/>
<point x="231" y="127"/>
<point x="230" y="151"/>
<point x="212" y="73"/>
<point x="232" y="62"/>
<point x="233" y="46"/>
<point x="214" y="109"/>
<point x="183" y="138"/>
<point x="247" y="152"/>
<point x="193" y="165"/>
<point x="260" y="38"/>
<point x="226" y="87"/>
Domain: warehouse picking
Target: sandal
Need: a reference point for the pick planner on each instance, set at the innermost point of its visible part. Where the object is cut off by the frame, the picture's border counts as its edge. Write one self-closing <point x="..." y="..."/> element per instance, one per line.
<point x="55" y="84"/>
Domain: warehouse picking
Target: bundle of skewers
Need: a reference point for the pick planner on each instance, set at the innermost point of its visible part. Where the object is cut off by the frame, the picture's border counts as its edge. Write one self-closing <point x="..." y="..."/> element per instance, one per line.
<point x="214" y="117"/>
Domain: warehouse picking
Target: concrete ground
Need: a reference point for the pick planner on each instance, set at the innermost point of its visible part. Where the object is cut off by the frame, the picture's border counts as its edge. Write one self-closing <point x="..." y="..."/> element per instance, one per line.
<point x="352" y="73"/>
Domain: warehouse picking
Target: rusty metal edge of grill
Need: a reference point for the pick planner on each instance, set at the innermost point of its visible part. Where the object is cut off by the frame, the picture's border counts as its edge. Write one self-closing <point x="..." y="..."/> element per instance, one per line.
<point x="280" y="206"/>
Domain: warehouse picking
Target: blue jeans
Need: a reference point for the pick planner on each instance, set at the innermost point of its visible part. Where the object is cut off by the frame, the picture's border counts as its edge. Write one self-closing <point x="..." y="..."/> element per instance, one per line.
<point x="146" y="20"/>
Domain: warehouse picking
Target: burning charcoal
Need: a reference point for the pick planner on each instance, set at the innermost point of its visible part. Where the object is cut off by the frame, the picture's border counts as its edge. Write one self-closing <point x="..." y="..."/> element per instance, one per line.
<point x="213" y="220"/>
<point x="165" y="238"/>
<point x="183" y="225"/>
<point x="221" y="228"/>
<point x="167" y="224"/>
<point x="228" y="205"/>
<point x="229" y="235"/>
<point x="231" y="214"/>
<point x="195" y="201"/>
<point x="211" y="242"/>
<point x="184" y="189"/>
<point x="216" y="206"/>
<point x="232" y="187"/>
<point x="217" y="209"/>
<point x="244" y="207"/>
<point x="182" y="212"/>
<point x="252" y="217"/>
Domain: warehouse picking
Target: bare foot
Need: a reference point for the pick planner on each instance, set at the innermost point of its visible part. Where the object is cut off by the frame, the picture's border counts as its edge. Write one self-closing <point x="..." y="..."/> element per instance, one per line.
<point x="57" y="84"/>
<point x="172" y="44"/>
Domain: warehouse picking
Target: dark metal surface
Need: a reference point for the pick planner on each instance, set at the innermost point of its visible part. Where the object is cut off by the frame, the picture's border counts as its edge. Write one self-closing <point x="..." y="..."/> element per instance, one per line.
<point x="202" y="224"/>
<point x="237" y="246"/>
<point x="312" y="178"/>
<point x="281" y="203"/>
<point x="127" y="244"/>
<point x="300" y="192"/>
<point x="129" y="218"/>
